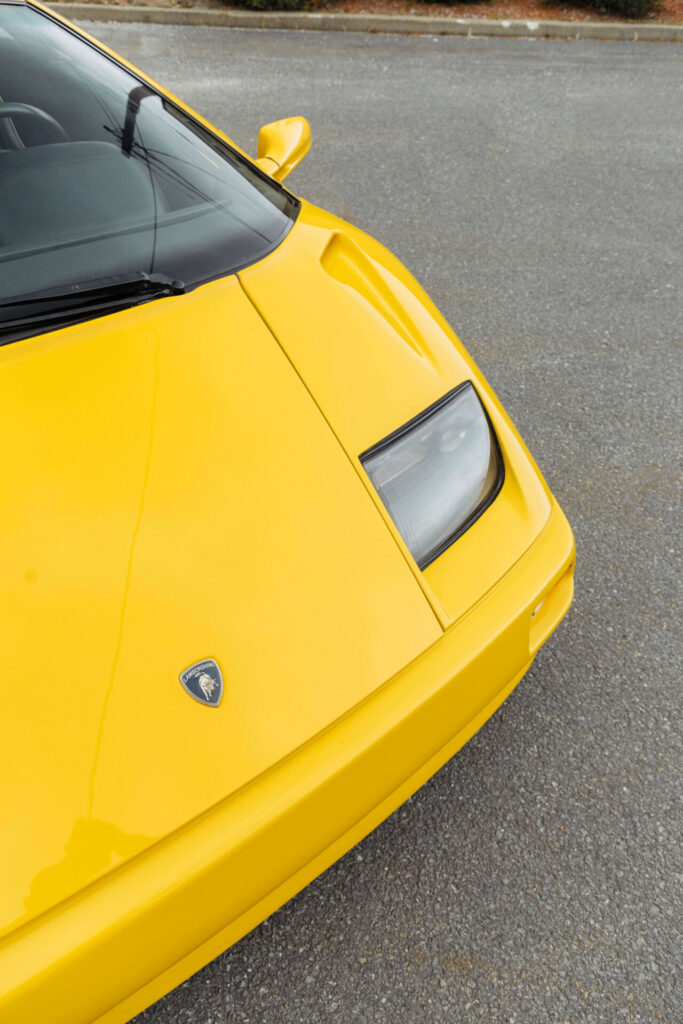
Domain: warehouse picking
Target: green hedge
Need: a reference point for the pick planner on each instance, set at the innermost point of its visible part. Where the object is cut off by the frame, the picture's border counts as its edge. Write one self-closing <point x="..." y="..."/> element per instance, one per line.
<point x="275" y="5"/>
<point x="625" y="8"/>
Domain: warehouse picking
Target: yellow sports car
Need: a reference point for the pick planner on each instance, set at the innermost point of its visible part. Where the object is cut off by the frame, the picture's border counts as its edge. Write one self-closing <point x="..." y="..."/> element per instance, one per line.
<point x="271" y="549"/>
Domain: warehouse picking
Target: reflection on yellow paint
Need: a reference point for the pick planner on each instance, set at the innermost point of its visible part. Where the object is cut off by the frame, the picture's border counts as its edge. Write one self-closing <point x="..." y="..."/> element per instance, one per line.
<point x="93" y="847"/>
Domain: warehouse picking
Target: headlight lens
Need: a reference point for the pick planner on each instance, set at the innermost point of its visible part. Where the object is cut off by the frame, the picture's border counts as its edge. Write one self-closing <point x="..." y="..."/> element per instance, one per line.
<point x="438" y="473"/>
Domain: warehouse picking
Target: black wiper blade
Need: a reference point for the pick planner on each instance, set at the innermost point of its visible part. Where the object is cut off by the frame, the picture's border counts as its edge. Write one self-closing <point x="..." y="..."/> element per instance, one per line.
<point x="121" y="286"/>
<point x="38" y="312"/>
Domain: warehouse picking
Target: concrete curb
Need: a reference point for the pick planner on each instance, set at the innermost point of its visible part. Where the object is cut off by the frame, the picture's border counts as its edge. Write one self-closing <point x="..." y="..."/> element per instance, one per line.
<point x="408" y="25"/>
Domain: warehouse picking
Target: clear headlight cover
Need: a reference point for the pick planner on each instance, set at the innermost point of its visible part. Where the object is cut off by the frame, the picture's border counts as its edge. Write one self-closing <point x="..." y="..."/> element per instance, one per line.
<point x="438" y="473"/>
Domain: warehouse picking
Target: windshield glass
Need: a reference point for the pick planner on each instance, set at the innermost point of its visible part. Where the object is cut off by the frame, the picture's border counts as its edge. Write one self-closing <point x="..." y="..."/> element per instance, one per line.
<point x="101" y="178"/>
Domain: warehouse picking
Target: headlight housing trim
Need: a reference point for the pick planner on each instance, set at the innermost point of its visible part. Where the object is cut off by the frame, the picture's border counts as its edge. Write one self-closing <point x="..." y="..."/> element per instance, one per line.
<point x="408" y="427"/>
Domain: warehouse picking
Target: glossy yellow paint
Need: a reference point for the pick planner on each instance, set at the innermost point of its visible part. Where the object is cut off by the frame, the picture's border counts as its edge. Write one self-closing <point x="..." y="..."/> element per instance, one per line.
<point x="156" y="512"/>
<point x="387" y="355"/>
<point x="181" y="480"/>
<point x="282" y="145"/>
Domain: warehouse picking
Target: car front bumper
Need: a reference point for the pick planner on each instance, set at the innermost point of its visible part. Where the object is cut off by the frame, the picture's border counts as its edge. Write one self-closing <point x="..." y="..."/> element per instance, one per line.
<point x="144" y="928"/>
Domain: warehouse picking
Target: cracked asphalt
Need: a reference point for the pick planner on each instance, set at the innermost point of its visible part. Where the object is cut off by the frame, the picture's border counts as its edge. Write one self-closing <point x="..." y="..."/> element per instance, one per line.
<point x="536" y="189"/>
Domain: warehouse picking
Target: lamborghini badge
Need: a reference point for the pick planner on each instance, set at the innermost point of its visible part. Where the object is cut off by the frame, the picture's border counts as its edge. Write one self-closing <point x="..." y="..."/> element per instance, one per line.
<point x="204" y="682"/>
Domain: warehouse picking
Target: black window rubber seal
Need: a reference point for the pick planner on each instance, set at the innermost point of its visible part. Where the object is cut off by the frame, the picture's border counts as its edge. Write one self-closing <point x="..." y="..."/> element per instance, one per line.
<point x="406" y="428"/>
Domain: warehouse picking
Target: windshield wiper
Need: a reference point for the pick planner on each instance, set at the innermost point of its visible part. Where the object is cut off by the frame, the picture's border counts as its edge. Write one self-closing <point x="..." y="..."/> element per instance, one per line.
<point x="48" y="310"/>
<point x="124" y="285"/>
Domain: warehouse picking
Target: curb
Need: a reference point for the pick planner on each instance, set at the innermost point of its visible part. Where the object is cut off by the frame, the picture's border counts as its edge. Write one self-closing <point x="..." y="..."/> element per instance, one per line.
<point x="405" y="25"/>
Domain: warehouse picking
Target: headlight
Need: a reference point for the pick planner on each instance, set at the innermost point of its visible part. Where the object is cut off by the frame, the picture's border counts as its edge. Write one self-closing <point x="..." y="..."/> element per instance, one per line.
<point x="438" y="473"/>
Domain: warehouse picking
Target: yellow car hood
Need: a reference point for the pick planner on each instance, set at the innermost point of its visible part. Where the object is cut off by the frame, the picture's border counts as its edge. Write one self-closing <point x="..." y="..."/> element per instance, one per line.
<point x="374" y="351"/>
<point x="172" y="492"/>
<point x="366" y="339"/>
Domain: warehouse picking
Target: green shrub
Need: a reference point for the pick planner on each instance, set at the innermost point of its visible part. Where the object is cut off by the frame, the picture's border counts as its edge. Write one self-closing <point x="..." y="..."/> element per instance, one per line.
<point x="626" y="8"/>
<point x="275" y="5"/>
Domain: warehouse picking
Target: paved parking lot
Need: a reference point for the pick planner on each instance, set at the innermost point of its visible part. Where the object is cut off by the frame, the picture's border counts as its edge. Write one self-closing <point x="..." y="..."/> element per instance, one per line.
<point x="536" y="189"/>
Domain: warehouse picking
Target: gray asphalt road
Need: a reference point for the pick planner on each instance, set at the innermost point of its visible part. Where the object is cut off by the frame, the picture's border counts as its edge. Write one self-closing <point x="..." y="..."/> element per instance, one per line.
<point x="536" y="189"/>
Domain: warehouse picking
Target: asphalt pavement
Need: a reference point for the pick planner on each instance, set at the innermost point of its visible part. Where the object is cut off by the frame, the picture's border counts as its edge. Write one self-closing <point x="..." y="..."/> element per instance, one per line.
<point x="536" y="189"/>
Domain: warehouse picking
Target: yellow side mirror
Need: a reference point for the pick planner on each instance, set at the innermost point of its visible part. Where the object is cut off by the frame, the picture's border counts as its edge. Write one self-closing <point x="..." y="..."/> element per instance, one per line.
<point x="282" y="145"/>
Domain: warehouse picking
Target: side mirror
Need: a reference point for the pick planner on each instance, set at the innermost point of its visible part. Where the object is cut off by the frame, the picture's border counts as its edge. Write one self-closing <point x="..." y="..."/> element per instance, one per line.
<point x="282" y="145"/>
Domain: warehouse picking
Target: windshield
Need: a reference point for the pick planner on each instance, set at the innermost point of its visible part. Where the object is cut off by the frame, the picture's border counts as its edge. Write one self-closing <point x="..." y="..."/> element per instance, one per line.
<point x="101" y="178"/>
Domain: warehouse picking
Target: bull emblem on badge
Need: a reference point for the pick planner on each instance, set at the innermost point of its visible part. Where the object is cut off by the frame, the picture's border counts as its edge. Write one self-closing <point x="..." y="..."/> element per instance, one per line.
<point x="207" y="685"/>
<point x="204" y="682"/>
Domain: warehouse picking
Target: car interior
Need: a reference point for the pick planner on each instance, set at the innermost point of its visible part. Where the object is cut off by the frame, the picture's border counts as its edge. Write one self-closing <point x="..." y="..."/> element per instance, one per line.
<point x="100" y="176"/>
